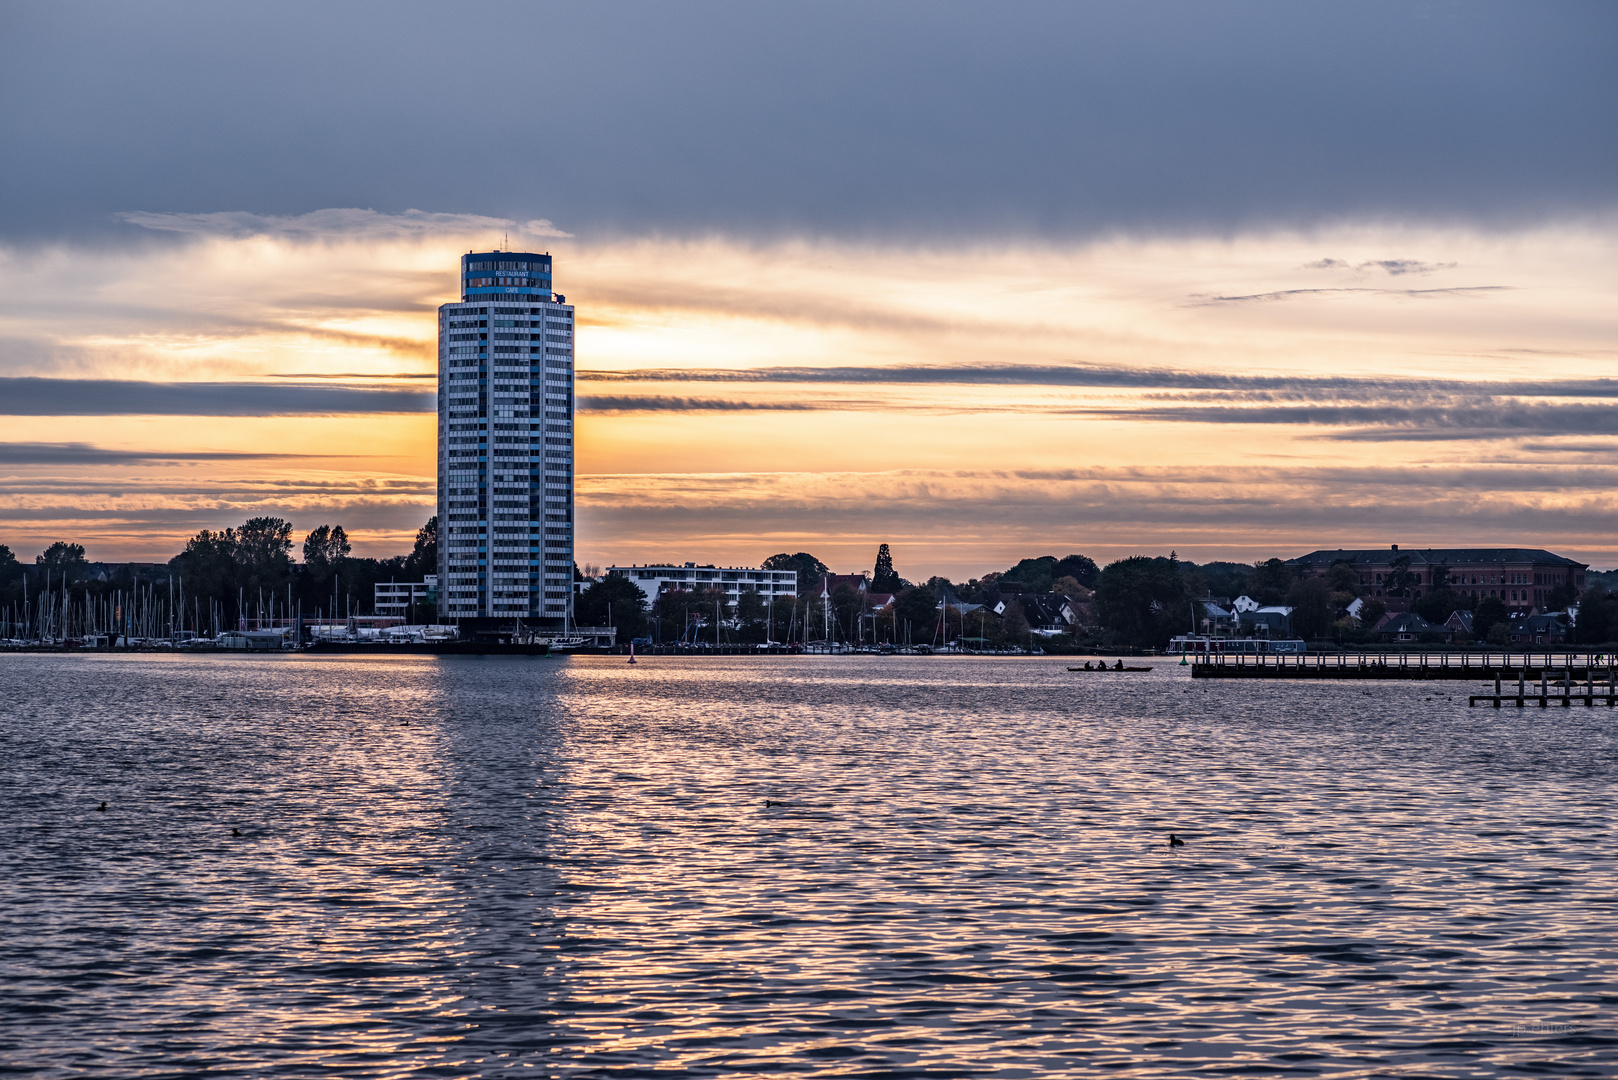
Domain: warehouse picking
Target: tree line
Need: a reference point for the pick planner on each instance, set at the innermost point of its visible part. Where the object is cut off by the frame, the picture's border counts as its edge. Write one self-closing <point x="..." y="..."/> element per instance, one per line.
<point x="234" y="573"/>
<point x="1139" y="602"/>
<point x="1136" y="602"/>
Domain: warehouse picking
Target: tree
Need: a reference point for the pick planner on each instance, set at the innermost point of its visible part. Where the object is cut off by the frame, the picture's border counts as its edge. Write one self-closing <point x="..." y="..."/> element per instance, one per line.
<point x="1268" y="581"/>
<point x="1560" y="597"/>
<point x="1437" y="604"/>
<point x="262" y="553"/>
<point x="1343" y="577"/>
<point x="423" y="559"/>
<point x="1400" y="579"/>
<point x="325" y="577"/>
<point x="785" y="620"/>
<point x="1310" y="599"/>
<point x="1080" y="568"/>
<point x="1142" y="600"/>
<point x="1014" y="624"/>
<point x="1225" y="579"/>
<point x="64" y="561"/>
<point x="1490" y="612"/>
<point x="11" y="572"/>
<point x="712" y="603"/>
<point x="207" y="571"/>
<point x="1030" y="576"/>
<point x="1598" y="617"/>
<point x="324" y="550"/>
<point x="1070" y="588"/>
<point x="673" y="611"/>
<point x="845" y="610"/>
<point x="614" y="601"/>
<point x="885" y="579"/>
<point x="1371" y="612"/>
<point x="916" y="610"/>
<point x="751" y="611"/>
<point x="809" y="569"/>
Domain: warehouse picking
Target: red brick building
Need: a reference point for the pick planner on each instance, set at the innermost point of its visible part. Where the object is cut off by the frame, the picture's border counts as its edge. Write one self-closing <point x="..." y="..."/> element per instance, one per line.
<point x="1522" y="578"/>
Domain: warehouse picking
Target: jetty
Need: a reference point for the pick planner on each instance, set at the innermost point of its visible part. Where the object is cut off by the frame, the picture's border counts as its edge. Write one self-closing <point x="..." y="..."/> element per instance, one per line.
<point x="1534" y="674"/>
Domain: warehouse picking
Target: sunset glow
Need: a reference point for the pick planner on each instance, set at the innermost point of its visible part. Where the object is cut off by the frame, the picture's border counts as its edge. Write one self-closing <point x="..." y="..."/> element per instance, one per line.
<point x="1227" y="398"/>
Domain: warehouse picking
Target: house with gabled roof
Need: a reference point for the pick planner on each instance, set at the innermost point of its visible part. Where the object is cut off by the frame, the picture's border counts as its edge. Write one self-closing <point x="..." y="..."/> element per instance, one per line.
<point x="1407" y="626"/>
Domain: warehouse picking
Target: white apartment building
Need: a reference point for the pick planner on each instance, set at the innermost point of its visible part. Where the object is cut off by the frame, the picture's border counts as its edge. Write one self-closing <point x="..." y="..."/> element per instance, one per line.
<point x="654" y="580"/>
<point x="406" y="598"/>
<point x="505" y="443"/>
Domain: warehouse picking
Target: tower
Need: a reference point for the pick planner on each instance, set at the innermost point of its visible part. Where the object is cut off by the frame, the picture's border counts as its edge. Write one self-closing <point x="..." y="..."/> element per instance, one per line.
<point x="505" y="444"/>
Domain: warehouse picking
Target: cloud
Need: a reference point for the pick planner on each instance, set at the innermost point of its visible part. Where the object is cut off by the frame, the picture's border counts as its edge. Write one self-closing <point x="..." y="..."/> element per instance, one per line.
<point x="909" y="119"/>
<point x="1396" y="267"/>
<point x="963" y="522"/>
<point x="1287" y="294"/>
<point x="1383" y="423"/>
<point x="30" y="396"/>
<point x="1391" y="266"/>
<point x="818" y="356"/>
<point x="1100" y="376"/>
<point x="38" y="453"/>
<point x="629" y="404"/>
<point x="331" y="224"/>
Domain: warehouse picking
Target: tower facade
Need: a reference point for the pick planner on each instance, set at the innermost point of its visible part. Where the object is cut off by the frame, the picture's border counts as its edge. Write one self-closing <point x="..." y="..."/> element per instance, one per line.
<point x="505" y="443"/>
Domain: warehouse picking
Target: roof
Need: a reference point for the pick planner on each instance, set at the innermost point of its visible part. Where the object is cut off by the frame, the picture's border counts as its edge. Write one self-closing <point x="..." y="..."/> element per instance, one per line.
<point x="1408" y="622"/>
<point x="1045" y="609"/>
<point x="1556" y="620"/>
<point x="1461" y="620"/>
<point x="1433" y="556"/>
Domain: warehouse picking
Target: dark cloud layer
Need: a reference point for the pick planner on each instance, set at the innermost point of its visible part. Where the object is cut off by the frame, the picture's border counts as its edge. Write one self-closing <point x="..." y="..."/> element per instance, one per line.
<point x="113" y="397"/>
<point x="933" y="119"/>
<point x="1103" y="377"/>
<point x="1388" y="423"/>
<point x="74" y="453"/>
<point x="652" y="403"/>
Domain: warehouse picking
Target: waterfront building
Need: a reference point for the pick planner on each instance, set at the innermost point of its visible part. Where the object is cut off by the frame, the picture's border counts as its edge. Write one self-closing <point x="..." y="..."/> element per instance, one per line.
<point x="404" y="598"/>
<point x="1521" y="578"/>
<point x="505" y="444"/>
<point x="655" y="579"/>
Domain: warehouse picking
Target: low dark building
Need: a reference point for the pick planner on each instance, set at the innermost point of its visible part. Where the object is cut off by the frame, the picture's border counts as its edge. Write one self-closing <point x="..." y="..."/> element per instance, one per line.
<point x="1273" y="623"/>
<point x="1409" y="627"/>
<point x="1521" y="578"/>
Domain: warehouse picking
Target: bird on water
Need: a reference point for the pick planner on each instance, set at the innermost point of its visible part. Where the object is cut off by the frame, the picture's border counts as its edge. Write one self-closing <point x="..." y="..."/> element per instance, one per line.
<point x="235" y="832"/>
<point x="1175" y="841"/>
<point x="103" y="806"/>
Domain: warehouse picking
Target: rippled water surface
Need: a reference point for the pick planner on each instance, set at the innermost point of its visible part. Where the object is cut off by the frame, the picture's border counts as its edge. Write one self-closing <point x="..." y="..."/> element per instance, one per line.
<point x="870" y="867"/>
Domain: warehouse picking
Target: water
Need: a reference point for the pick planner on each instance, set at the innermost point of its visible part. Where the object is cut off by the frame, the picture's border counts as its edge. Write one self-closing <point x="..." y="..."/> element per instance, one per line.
<point x="513" y="866"/>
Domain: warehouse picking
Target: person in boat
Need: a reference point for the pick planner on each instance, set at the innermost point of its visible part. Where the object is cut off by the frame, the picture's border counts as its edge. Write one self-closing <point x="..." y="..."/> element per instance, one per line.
<point x="1088" y="666"/>
<point x="1120" y="666"/>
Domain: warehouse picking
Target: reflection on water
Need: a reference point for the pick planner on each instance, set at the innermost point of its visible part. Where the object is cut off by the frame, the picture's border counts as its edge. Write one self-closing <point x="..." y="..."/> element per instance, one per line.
<point x="885" y="866"/>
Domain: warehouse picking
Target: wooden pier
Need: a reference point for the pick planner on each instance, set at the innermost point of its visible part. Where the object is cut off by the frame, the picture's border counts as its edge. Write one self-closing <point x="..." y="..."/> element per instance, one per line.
<point x="1523" y="679"/>
<point x="1595" y="688"/>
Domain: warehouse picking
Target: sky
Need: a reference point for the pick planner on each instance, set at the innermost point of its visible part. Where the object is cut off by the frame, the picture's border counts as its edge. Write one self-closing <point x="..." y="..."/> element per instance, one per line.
<point x="978" y="281"/>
